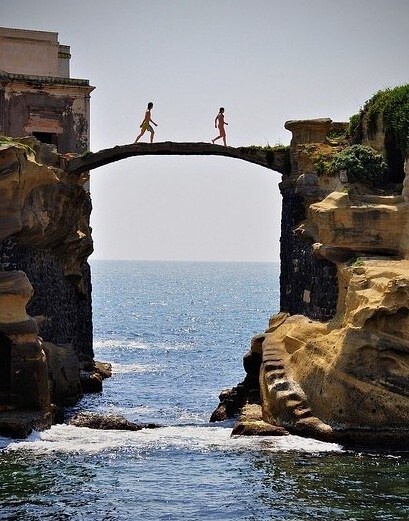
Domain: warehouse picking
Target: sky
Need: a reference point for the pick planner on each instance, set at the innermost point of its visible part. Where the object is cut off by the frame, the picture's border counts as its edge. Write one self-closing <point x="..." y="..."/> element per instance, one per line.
<point x="265" y="61"/>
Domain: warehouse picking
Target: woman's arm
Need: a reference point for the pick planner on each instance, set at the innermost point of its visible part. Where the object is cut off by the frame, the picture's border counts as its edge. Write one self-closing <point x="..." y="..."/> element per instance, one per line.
<point x="150" y="120"/>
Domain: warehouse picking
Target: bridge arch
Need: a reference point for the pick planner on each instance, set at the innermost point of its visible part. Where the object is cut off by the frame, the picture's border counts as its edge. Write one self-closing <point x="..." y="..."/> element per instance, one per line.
<point x="179" y="208"/>
<point x="276" y="158"/>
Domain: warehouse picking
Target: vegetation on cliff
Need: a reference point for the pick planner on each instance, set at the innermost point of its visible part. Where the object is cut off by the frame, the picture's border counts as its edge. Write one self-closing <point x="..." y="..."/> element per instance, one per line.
<point x="393" y="106"/>
<point x="361" y="163"/>
<point x="384" y="121"/>
<point x="270" y="154"/>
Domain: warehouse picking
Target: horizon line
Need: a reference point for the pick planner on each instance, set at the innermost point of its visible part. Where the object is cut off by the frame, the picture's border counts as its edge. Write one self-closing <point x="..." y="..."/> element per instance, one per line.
<point x="184" y="260"/>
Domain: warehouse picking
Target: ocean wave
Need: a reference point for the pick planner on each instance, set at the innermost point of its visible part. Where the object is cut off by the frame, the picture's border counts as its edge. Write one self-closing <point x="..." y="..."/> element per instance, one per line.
<point x="70" y="439"/>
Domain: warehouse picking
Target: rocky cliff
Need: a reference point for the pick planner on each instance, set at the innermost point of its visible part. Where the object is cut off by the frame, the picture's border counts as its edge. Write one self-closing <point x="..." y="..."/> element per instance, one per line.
<point x="333" y="364"/>
<point x="45" y="287"/>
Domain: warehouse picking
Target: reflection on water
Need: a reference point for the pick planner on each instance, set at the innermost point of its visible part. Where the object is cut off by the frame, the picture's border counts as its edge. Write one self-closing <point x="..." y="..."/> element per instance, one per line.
<point x="176" y="333"/>
<point x="176" y="481"/>
<point x="333" y="486"/>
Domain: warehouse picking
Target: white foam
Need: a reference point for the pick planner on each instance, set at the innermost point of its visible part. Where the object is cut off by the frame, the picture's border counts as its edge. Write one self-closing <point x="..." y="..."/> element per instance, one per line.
<point x="134" y="368"/>
<point x="115" y="343"/>
<point x="70" y="439"/>
<point x="131" y="412"/>
<point x="137" y="344"/>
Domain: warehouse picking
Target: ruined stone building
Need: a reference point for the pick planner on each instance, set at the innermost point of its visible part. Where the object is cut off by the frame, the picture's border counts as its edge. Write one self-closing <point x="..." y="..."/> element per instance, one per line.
<point x="37" y="95"/>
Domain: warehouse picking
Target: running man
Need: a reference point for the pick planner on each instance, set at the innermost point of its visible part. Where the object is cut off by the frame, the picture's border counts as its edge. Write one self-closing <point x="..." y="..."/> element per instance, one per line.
<point x="219" y="123"/>
<point x="146" y="123"/>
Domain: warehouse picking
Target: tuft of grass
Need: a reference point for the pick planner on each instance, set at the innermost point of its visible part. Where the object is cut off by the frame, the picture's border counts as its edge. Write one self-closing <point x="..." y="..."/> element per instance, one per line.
<point x="6" y="140"/>
<point x="358" y="261"/>
<point x="268" y="147"/>
<point x="270" y="152"/>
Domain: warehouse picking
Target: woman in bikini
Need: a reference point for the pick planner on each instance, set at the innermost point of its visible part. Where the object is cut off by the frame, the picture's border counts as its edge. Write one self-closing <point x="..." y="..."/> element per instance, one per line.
<point x="219" y="123"/>
<point x="146" y="123"/>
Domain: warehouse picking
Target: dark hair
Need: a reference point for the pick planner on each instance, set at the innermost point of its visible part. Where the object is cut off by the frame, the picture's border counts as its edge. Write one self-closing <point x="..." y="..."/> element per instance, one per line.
<point x="150" y="105"/>
<point x="221" y="109"/>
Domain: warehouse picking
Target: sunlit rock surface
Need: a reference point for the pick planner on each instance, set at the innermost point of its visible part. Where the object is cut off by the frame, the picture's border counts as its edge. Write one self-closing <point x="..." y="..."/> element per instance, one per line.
<point x="333" y="364"/>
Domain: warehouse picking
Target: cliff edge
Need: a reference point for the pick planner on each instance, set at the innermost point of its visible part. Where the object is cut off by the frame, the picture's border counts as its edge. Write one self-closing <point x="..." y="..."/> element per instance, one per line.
<point x="333" y="364"/>
<point x="45" y="289"/>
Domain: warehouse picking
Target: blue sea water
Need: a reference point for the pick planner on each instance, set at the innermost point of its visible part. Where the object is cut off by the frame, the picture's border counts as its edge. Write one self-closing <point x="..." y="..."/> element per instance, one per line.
<point x="176" y="333"/>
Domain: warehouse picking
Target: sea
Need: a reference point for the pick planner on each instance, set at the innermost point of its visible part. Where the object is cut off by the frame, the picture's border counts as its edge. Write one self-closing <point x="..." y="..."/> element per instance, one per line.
<point x="175" y="333"/>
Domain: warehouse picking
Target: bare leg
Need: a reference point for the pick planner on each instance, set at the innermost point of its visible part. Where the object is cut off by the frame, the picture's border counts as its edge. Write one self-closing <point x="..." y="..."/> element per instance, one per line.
<point x="139" y="137"/>
<point x="216" y="138"/>
<point x="224" y="140"/>
<point x="152" y="134"/>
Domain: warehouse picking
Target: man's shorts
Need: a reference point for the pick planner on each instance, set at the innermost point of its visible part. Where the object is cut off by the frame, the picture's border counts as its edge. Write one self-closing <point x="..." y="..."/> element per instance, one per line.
<point x="147" y="127"/>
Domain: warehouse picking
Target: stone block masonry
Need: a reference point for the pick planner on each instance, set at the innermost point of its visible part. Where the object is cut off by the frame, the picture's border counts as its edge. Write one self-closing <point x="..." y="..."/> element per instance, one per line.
<point x="308" y="284"/>
<point x="64" y="311"/>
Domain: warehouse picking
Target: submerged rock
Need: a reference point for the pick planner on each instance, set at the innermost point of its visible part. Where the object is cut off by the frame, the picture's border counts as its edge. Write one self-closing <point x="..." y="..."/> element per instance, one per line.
<point x="108" y="422"/>
<point x="91" y="381"/>
<point x="92" y="374"/>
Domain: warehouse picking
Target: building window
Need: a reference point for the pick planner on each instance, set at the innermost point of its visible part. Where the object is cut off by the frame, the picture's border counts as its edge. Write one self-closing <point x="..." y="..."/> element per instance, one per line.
<point x="46" y="137"/>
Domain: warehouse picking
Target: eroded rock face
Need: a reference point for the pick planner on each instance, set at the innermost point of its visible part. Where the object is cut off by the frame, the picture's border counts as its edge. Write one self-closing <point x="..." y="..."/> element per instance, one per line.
<point x="44" y="244"/>
<point x="23" y="367"/>
<point x="348" y="378"/>
<point x="334" y="364"/>
<point x="44" y="231"/>
<point x="63" y="374"/>
<point x="368" y="224"/>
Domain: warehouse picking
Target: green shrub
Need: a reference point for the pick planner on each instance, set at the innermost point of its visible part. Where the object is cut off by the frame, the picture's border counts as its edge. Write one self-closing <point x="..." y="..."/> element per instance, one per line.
<point x="323" y="163"/>
<point x="394" y="103"/>
<point x="362" y="164"/>
<point x="354" y="122"/>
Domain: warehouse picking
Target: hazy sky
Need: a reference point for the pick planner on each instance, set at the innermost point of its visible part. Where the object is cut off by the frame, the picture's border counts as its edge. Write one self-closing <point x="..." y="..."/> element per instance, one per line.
<point x="265" y="61"/>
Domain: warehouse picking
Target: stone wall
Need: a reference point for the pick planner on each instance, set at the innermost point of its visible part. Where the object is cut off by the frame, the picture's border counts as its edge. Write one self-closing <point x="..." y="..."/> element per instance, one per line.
<point x="65" y="310"/>
<point x="308" y="284"/>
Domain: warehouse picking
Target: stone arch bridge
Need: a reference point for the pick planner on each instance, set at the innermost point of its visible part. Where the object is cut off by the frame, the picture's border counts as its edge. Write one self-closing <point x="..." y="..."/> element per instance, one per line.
<point x="276" y="158"/>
